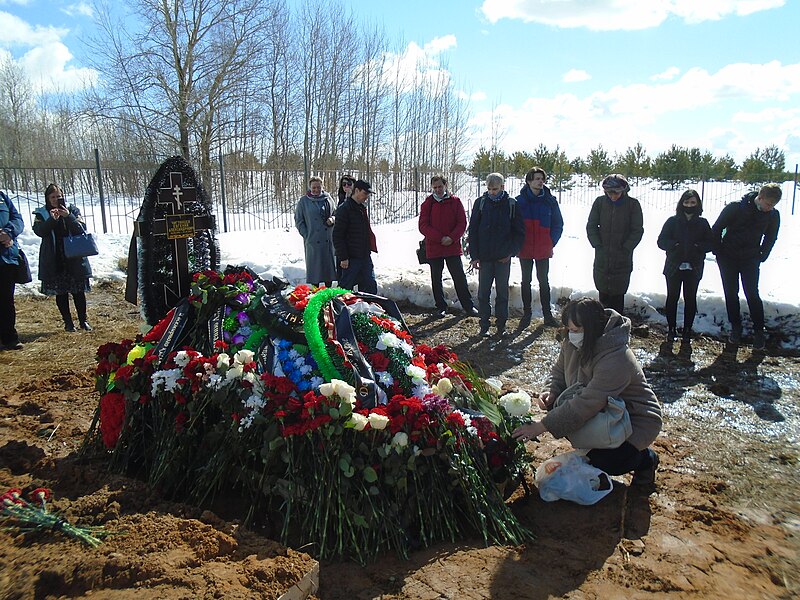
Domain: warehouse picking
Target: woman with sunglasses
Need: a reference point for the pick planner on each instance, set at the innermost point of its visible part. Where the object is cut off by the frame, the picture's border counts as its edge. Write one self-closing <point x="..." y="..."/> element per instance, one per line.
<point x="345" y="188"/>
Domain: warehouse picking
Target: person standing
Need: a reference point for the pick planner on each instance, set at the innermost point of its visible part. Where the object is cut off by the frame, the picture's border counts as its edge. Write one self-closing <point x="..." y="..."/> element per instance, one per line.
<point x="62" y="276"/>
<point x="314" y="218"/>
<point x="442" y="221"/>
<point x="11" y="225"/>
<point x="686" y="238"/>
<point x="744" y="234"/>
<point x="496" y="233"/>
<point x="354" y="241"/>
<point x="345" y="189"/>
<point x="543" y="227"/>
<point x="615" y="227"/>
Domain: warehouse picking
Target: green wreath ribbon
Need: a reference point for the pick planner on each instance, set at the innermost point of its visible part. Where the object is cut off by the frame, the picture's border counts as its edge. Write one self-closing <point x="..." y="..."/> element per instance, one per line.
<point x="313" y="334"/>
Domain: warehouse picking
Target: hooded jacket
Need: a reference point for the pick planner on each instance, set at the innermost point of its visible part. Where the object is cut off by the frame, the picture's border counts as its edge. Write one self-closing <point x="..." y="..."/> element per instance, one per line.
<point x="612" y="371"/>
<point x="438" y="219"/>
<point x="685" y="240"/>
<point x="495" y="228"/>
<point x="743" y="232"/>
<point x="543" y="223"/>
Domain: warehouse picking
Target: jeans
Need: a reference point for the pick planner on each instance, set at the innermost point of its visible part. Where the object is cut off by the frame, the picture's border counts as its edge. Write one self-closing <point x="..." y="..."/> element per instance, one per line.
<point x="359" y="272"/>
<point x="456" y="269"/>
<point x="688" y="280"/>
<point x="493" y="271"/>
<point x="8" y="312"/>
<point x="618" y="461"/>
<point x="748" y="270"/>
<point x="542" y="272"/>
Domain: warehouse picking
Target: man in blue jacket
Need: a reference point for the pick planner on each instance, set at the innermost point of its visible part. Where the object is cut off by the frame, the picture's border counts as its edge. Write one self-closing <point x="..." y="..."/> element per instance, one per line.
<point x="11" y="225"/>
<point x="496" y="233"/>
<point x="744" y="235"/>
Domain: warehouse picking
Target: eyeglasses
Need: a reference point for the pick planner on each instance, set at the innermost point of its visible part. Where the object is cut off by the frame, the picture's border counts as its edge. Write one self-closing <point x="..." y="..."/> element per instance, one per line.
<point x="614" y="192"/>
<point x="347" y="184"/>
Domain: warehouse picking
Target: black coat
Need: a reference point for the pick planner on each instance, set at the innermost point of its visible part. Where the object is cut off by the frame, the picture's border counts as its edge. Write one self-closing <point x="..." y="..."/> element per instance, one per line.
<point x="52" y="261"/>
<point x="614" y="231"/>
<point x="685" y="240"/>
<point x="352" y="234"/>
<point x="742" y="232"/>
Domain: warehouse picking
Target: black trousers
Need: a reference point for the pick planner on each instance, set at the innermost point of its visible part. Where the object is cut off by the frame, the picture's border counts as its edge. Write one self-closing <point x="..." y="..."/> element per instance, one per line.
<point x="8" y="312"/>
<point x="688" y="280"/>
<point x="618" y="461"/>
<point x="542" y="276"/>
<point x="748" y="270"/>
<point x="456" y="268"/>
<point x="615" y="301"/>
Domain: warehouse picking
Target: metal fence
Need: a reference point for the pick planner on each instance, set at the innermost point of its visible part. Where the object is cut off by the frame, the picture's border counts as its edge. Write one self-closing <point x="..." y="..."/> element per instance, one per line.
<point x="110" y="197"/>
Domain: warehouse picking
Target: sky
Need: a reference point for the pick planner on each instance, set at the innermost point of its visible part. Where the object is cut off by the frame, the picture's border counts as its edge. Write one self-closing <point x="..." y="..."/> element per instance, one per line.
<point x="401" y="278"/>
<point x="719" y="75"/>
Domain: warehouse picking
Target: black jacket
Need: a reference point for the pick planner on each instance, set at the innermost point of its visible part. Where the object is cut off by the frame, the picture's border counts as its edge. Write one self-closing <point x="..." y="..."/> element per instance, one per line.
<point x="352" y="234"/>
<point x="52" y="261"/>
<point x="496" y="229"/>
<point x="685" y="240"/>
<point x="742" y="232"/>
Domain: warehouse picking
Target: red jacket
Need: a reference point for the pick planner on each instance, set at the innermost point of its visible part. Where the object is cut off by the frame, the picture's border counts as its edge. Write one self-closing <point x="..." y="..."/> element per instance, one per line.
<point x="440" y="219"/>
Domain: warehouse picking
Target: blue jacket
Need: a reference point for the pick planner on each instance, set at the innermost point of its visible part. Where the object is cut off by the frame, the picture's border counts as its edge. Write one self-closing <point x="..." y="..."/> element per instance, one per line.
<point x="543" y="223"/>
<point x="11" y="222"/>
<point x="495" y="228"/>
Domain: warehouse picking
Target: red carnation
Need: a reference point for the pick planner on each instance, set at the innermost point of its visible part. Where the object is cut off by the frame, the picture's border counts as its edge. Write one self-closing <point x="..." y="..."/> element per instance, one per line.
<point x="112" y="417"/>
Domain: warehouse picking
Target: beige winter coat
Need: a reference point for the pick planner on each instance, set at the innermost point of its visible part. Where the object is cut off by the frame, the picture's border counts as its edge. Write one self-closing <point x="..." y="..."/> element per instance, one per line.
<point x="613" y="371"/>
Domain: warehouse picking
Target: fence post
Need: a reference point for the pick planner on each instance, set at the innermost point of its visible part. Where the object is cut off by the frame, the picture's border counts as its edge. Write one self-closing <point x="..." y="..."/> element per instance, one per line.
<point x="100" y="189"/>
<point x="794" y="189"/>
<point x="222" y="193"/>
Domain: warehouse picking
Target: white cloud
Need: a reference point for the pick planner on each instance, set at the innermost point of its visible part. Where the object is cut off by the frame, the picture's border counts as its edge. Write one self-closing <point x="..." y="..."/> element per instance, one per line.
<point x="660" y="114"/>
<point x="611" y="15"/>
<point x="575" y="75"/>
<point x="43" y="56"/>
<point x="80" y="8"/>
<point x="419" y="66"/>
<point x="667" y="75"/>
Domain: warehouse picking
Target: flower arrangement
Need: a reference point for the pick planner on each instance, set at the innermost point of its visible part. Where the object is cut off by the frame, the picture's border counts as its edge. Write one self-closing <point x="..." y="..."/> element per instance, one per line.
<point x="357" y="439"/>
<point x="27" y="516"/>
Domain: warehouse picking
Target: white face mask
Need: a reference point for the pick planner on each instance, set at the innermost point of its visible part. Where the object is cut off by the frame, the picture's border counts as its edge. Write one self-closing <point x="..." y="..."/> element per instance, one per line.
<point x="576" y="338"/>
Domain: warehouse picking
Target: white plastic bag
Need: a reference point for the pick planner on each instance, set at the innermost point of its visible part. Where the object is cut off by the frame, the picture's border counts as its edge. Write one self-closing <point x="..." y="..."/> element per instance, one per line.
<point x="570" y="477"/>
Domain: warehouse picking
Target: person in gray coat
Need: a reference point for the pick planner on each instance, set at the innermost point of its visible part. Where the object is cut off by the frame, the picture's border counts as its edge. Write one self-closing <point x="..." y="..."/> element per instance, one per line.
<point x="314" y="217"/>
<point x="615" y="227"/>
<point x="62" y="276"/>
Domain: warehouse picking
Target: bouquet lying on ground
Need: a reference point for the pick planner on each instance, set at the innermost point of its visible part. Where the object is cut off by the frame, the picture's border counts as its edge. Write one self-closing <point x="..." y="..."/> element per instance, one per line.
<point x="316" y="406"/>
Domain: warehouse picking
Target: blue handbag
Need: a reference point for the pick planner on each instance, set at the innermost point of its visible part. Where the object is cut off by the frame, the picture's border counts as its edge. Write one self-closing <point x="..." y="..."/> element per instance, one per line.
<point x="78" y="246"/>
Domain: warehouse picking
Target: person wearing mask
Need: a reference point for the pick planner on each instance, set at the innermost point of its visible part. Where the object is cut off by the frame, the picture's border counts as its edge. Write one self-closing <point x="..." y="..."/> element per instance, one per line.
<point x="597" y="354"/>
<point x="11" y="225"/>
<point x="314" y="218"/>
<point x="354" y="241"/>
<point x="744" y="234"/>
<point x="615" y="227"/>
<point x="543" y="227"/>
<point x="62" y="276"/>
<point x="686" y="238"/>
<point x="496" y="233"/>
<point x="442" y="221"/>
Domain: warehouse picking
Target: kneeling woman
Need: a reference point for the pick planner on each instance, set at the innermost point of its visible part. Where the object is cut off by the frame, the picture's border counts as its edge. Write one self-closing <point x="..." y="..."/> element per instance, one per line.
<point x="596" y="354"/>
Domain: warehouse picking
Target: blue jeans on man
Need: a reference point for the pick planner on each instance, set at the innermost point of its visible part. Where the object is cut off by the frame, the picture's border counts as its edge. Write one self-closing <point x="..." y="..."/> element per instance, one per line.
<point x="360" y="272"/>
<point x="493" y="271"/>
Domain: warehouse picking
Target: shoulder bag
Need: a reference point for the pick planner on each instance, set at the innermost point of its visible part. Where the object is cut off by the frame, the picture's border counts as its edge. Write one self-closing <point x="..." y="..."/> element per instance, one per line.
<point x="607" y="429"/>
<point x="422" y="256"/>
<point x="23" y="274"/>
<point x="77" y="246"/>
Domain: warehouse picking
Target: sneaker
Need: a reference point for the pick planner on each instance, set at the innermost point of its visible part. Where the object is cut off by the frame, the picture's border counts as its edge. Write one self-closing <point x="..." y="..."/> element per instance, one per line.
<point x="17" y="345"/>
<point x="647" y="476"/>
<point x="686" y="336"/>
<point x="69" y="326"/>
<point x="736" y="334"/>
<point x="759" y="340"/>
<point x="672" y="334"/>
<point x="484" y="332"/>
<point x="550" y="321"/>
<point x="85" y="326"/>
<point x="502" y="333"/>
<point x="440" y="313"/>
<point x="471" y="311"/>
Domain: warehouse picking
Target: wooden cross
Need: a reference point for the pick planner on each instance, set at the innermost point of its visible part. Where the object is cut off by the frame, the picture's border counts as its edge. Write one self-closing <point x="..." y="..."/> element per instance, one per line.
<point x="178" y="226"/>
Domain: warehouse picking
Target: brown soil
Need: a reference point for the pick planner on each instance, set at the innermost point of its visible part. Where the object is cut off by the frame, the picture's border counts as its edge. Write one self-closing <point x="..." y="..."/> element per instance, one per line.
<point x="722" y="523"/>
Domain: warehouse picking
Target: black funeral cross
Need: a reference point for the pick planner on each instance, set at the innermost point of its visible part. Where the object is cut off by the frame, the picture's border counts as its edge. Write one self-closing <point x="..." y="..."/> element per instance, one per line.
<point x="179" y="226"/>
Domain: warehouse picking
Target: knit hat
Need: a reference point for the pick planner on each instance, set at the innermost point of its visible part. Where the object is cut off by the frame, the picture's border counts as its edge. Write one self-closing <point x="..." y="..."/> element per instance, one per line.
<point x="616" y="183"/>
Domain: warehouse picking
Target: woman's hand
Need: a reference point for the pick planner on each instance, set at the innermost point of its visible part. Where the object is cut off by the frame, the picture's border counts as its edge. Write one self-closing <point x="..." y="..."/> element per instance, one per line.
<point x="58" y="212"/>
<point x="529" y="431"/>
<point x="544" y="400"/>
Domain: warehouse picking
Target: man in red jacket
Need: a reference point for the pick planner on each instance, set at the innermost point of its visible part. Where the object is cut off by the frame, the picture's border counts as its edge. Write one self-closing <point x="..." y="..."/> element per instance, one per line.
<point x="442" y="221"/>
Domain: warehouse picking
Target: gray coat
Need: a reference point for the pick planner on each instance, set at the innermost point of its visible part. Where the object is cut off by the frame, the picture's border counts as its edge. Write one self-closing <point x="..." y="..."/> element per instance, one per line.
<point x="310" y="217"/>
<point x="614" y="231"/>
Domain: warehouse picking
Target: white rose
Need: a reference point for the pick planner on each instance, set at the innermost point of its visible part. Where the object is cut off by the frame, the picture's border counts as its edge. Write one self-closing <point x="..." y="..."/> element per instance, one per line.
<point x="244" y="356"/>
<point x="516" y="404"/>
<point x="223" y="360"/>
<point x="358" y="421"/>
<point x="378" y="421"/>
<point x="400" y="439"/>
<point x="495" y="385"/>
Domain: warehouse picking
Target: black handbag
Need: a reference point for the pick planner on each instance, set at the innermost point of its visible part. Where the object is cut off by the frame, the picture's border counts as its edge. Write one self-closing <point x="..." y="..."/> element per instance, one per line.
<point x="422" y="256"/>
<point x="78" y="246"/>
<point x="23" y="274"/>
